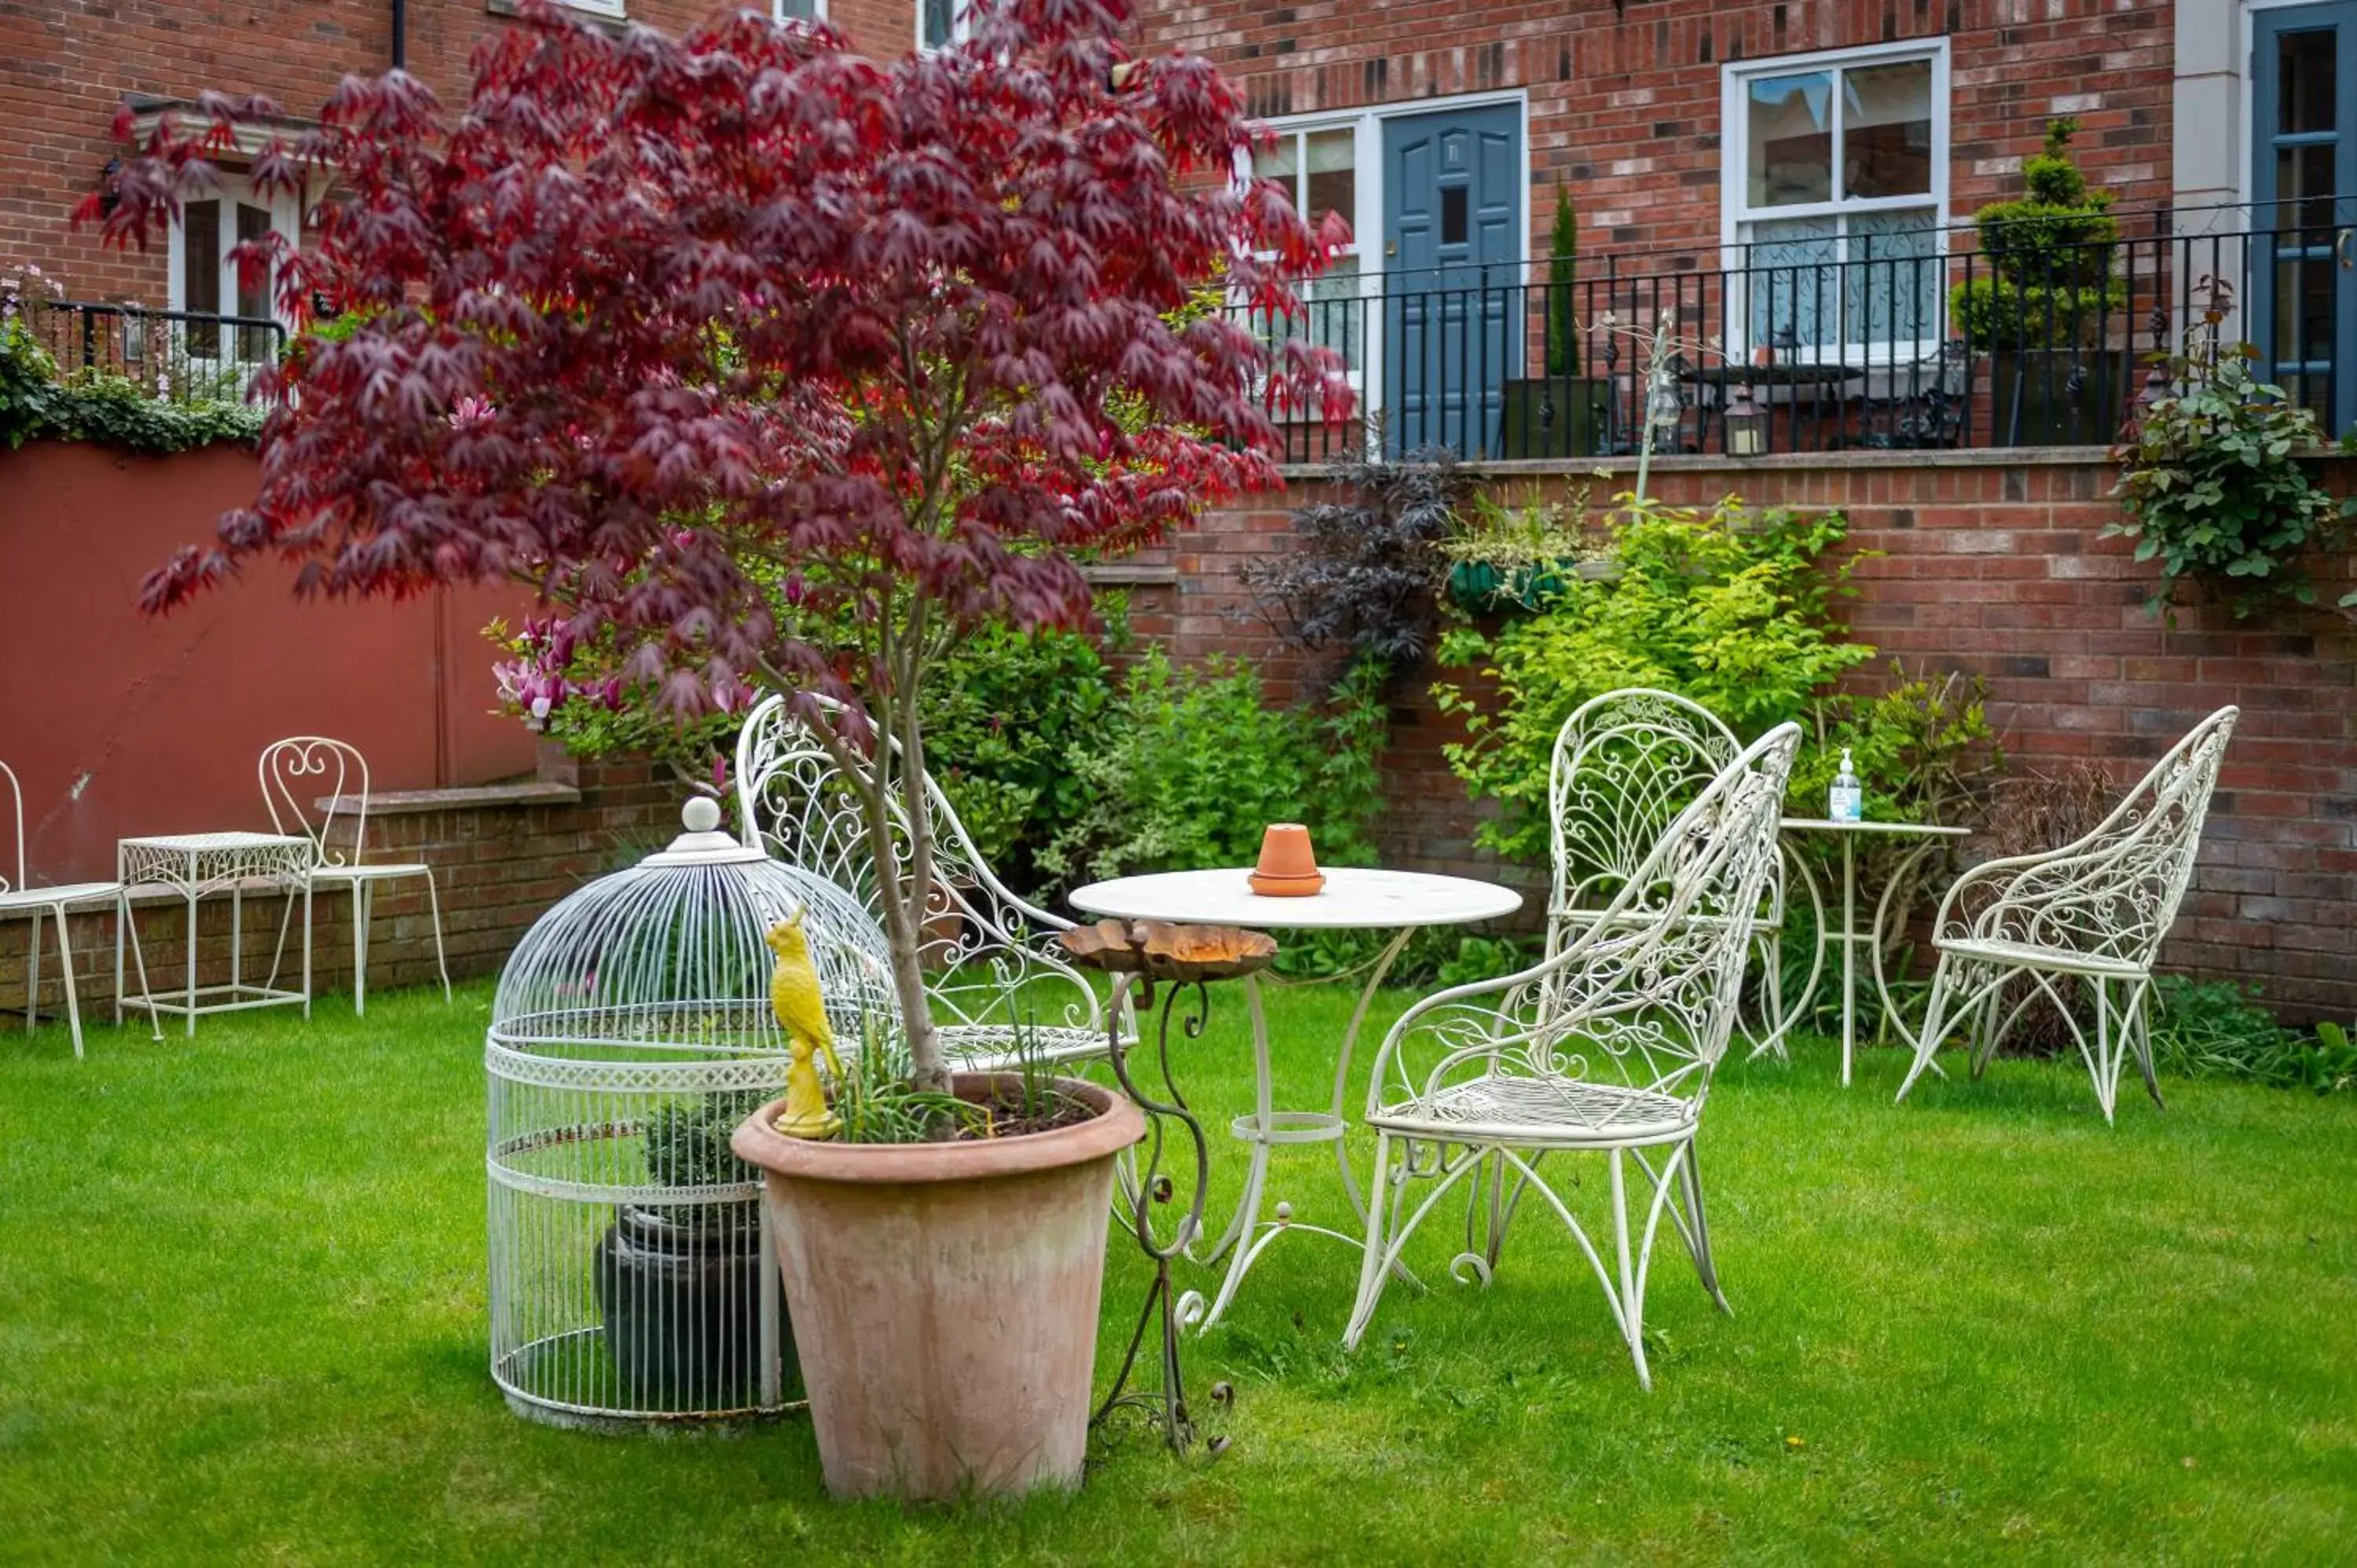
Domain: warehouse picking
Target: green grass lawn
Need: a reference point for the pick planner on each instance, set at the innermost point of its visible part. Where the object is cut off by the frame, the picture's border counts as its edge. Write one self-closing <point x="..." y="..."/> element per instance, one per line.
<point x="242" y="1319"/>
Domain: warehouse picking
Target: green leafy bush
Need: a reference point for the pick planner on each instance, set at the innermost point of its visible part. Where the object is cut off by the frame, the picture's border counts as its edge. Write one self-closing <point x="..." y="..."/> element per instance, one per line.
<point x="1003" y="725"/>
<point x="1193" y="763"/>
<point x="2212" y="485"/>
<point x="1730" y="608"/>
<point x="36" y="404"/>
<point x="2217" y="1029"/>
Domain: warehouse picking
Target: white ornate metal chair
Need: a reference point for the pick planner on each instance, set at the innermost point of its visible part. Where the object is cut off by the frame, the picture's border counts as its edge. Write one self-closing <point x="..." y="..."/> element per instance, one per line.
<point x="19" y="897"/>
<point x="302" y="768"/>
<point x="1626" y="764"/>
<point x="2094" y="910"/>
<point x="1606" y="1047"/>
<point x="999" y="989"/>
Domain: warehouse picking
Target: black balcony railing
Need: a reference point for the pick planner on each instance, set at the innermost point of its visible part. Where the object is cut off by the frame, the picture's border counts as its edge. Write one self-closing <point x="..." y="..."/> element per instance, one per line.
<point x="1920" y="338"/>
<point x="180" y="356"/>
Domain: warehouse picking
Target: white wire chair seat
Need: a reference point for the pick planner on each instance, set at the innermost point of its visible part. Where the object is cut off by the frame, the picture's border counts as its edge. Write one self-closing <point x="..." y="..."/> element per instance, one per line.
<point x="999" y="989"/>
<point x="1551" y="1112"/>
<point x="2096" y="910"/>
<point x="1606" y="1045"/>
<point x="1625" y="764"/>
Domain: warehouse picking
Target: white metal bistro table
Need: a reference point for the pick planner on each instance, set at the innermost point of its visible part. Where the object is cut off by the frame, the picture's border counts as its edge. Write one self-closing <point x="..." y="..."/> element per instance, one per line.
<point x="1929" y="836"/>
<point x="197" y="866"/>
<point x="1354" y="898"/>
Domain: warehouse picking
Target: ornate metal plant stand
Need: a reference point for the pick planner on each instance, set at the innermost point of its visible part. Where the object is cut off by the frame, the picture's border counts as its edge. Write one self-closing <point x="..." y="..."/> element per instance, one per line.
<point x="1186" y="958"/>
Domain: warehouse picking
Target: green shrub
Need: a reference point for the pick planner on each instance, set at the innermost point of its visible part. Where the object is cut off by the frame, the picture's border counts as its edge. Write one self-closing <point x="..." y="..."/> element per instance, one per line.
<point x="1728" y="608"/>
<point x="2049" y="282"/>
<point x="111" y="410"/>
<point x="1004" y="723"/>
<point x="2211" y="484"/>
<point x="1193" y="763"/>
<point x="2218" y="1029"/>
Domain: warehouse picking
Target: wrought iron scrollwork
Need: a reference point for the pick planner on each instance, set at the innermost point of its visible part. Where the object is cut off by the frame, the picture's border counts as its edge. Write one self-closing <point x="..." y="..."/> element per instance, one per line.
<point x="1151" y="1190"/>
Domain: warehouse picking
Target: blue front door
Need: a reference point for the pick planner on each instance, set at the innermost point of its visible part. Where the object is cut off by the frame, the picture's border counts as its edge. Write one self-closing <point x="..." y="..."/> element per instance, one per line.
<point x="1452" y="284"/>
<point x="2303" y="260"/>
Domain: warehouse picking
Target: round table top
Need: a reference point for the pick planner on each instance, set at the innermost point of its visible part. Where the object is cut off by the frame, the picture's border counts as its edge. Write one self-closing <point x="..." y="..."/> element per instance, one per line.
<point x="1827" y="825"/>
<point x="1355" y="897"/>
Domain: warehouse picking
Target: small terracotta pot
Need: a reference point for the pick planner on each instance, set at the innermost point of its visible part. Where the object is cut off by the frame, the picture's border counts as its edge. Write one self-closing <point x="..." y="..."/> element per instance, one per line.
<point x="944" y="1296"/>
<point x="1287" y="869"/>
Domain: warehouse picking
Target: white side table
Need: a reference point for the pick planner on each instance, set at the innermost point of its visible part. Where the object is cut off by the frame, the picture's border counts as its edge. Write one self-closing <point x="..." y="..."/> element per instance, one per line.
<point x="197" y="866"/>
<point x="1354" y="898"/>
<point x="1928" y="836"/>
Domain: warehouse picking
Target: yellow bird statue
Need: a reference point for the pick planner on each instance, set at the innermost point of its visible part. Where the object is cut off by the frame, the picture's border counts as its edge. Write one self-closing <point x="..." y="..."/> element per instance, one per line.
<point x="802" y="1013"/>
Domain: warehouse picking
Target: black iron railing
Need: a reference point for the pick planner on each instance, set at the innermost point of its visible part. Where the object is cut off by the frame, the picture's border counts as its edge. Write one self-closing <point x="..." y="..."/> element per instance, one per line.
<point x="180" y="356"/>
<point x="1911" y="339"/>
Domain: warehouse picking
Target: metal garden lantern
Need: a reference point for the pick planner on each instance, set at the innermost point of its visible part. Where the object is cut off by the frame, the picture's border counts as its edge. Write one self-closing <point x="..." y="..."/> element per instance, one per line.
<point x="633" y="1278"/>
<point x="1746" y="422"/>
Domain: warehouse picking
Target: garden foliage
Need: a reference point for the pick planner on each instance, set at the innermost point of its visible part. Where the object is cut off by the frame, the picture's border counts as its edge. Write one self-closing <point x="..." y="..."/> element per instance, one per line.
<point x="1731" y="609"/>
<point x="2218" y="1029"/>
<point x="38" y="404"/>
<point x="1359" y="572"/>
<point x="2212" y="484"/>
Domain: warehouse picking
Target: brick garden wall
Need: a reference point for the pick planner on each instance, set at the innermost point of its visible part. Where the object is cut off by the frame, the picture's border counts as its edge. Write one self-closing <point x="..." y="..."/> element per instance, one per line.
<point x="501" y="858"/>
<point x="1993" y="565"/>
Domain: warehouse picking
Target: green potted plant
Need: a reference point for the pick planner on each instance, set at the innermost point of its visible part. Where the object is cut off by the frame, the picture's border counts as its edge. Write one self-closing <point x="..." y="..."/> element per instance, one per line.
<point x="679" y="1285"/>
<point x="1561" y="414"/>
<point x="1513" y="560"/>
<point x="2048" y="308"/>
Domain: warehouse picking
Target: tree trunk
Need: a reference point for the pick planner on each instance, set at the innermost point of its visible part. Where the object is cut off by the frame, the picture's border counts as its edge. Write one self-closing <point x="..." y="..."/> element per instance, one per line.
<point x="928" y="1074"/>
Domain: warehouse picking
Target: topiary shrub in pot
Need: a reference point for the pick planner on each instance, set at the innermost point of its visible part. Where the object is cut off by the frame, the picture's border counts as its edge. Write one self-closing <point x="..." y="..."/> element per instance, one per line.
<point x="1561" y="413"/>
<point x="780" y="367"/>
<point x="2047" y="308"/>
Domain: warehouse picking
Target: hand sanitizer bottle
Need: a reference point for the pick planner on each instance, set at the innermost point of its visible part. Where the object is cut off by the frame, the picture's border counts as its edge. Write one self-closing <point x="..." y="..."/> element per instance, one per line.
<point x="1846" y="802"/>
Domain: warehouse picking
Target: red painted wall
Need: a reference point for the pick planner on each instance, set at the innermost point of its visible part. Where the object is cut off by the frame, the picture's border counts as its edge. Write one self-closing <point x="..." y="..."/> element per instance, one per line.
<point x="119" y="724"/>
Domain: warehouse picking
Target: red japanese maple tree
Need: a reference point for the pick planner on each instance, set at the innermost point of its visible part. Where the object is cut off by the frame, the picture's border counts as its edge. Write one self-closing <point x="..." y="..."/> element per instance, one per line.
<point x="658" y="324"/>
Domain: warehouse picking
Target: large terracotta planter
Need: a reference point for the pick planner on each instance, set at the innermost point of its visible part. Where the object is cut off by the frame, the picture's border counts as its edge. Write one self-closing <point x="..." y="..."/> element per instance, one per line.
<point x="944" y="1297"/>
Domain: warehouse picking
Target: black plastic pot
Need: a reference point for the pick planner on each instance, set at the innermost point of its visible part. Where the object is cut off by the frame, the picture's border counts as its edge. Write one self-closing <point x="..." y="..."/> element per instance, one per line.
<point x="1556" y="416"/>
<point x="679" y="1292"/>
<point x="2059" y="397"/>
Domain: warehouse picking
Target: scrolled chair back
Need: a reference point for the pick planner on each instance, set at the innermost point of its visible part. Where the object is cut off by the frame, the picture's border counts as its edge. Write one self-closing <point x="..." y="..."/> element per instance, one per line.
<point x="1626" y="765"/>
<point x="2114" y="893"/>
<point x="986" y="948"/>
<point x="1643" y="998"/>
<point x="302" y="768"/>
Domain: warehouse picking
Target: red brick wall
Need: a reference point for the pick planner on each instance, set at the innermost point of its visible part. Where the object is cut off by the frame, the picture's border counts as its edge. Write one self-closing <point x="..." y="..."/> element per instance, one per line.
<point x="1624" y="101"/>
<point x="1994" y="564"/>
<point x="65" y="68"/>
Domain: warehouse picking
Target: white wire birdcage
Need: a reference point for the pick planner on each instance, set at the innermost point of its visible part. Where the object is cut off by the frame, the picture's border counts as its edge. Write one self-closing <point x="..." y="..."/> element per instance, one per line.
<point x="632" y="1277"/>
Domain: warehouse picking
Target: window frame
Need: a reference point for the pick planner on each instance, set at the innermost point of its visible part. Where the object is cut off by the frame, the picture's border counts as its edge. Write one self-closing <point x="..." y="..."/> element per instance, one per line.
<point x="1736" y="213"/>
<point x="961" y="26"/>
<point x="232" y="191"/>
<point x="778" y="12"/>
<point x="612" y="10"/>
